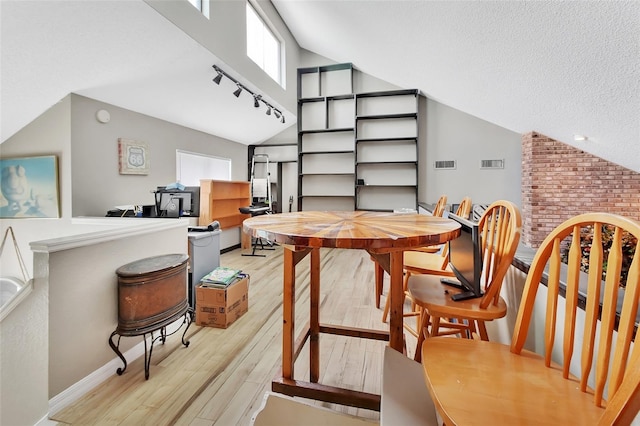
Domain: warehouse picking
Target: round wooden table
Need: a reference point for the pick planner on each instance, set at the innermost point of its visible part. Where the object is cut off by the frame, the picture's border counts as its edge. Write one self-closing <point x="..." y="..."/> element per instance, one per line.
<point x="385" y="236"/>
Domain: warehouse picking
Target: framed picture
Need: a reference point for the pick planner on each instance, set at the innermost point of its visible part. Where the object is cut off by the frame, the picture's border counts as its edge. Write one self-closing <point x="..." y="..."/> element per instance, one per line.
<point x="29" y="187"/>
<point x="133" y="157"/>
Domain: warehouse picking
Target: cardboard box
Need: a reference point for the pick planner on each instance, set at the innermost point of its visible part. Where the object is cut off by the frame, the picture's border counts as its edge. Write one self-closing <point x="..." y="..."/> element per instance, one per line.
<point x="216" y="307"/>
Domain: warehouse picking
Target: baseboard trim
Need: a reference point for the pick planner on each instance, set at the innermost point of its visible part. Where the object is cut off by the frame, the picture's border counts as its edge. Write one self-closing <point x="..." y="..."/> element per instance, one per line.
<point x="45" y="421"/>
<point x="228" y="249"/>
<point x="85" y="385"/>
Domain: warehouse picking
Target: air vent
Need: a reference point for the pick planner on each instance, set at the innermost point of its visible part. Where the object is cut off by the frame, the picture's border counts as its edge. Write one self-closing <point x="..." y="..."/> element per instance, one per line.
<point x="445" y="164"/>
<point x="492" y="164"/>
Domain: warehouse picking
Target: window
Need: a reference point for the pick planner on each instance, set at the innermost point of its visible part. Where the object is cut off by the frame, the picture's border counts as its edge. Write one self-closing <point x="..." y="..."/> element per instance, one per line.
<point x="202" y="6"/>
<point x="191" y="167"/>
<point x="262" y="45"/>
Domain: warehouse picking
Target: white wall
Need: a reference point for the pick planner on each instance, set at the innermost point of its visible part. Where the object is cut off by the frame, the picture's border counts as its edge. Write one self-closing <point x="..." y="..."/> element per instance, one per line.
<point x="224" y="35"/>
<point x="83" y="298"/>
<point x="454" y="135"/>
<point x="24" y="358"/>
<point x="97" y="185"/>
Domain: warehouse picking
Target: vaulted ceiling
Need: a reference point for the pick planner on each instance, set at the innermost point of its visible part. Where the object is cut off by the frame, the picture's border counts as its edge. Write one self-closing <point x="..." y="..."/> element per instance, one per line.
<point x="559" y="68"/>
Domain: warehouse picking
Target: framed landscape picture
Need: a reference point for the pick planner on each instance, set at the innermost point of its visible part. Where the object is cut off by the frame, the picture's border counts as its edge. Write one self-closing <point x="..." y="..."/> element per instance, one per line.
<point x="29" y="187"/>
<point x="133" y="157"/>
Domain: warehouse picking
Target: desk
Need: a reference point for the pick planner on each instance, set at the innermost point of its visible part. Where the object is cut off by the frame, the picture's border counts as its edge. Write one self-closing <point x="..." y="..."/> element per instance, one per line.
<point x="385" y="236"/>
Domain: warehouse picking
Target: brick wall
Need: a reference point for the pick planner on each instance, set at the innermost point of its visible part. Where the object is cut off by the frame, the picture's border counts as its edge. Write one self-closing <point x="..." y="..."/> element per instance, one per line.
<point x="559" y="181"/>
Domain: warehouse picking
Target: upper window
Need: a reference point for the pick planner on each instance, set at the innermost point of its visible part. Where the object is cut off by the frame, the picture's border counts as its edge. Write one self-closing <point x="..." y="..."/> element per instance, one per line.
<point x="202" y="6"/>
<point x="262" y="45"/>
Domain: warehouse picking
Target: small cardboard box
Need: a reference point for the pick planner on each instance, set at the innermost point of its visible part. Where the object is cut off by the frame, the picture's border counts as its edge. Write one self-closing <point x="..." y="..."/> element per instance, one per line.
<point x="216" y="307"/>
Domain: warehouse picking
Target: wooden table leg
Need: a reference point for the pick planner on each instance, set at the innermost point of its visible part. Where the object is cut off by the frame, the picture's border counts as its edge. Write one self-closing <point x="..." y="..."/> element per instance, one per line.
<point x="314" y="338"/>
<point x="396" y="293"/>
<point x="379" y="272"/>
<point x="288" y="313"/>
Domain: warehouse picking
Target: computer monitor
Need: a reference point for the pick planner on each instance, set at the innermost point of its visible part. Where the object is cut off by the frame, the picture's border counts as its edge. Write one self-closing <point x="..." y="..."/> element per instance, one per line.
<point x="175" y="202"/>
<point x="465" y="259"/>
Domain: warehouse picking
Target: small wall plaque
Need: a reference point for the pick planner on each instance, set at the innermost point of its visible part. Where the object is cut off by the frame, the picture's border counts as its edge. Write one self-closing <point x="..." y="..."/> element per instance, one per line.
<point x="133" y="157"/>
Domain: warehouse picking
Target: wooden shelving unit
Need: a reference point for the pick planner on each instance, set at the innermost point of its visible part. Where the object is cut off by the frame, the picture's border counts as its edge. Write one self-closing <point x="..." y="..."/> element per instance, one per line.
<point x="221" y="200"/>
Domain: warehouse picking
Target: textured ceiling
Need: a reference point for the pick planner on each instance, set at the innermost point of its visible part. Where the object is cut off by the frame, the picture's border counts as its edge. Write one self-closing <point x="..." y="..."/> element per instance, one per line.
<point x="559" y="68"/>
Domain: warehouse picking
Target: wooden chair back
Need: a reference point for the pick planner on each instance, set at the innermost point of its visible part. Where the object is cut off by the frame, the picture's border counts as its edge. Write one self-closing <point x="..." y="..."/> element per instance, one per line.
<point x="499" y="229"/>
<point x="441" y="204"/>
<point x="615" y="368"/>
<point x="464" y="209"/>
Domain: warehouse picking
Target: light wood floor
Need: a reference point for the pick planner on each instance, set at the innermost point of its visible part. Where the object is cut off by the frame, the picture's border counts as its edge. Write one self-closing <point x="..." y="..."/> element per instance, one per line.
<point x="221" y="378"/>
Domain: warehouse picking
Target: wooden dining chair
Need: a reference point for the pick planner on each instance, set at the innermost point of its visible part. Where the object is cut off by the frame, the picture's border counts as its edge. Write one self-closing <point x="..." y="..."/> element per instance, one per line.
<point x="440" y="206"/>
<point x="587" y="370"/>
<point x="420" y="261"/>
<point x="463" y="210"/>
<point x="499" y="232"/>
<point x="438" y="211"/>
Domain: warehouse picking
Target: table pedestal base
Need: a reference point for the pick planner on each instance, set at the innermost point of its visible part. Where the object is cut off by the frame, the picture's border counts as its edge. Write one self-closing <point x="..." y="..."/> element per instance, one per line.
<point x="332" y="394"/>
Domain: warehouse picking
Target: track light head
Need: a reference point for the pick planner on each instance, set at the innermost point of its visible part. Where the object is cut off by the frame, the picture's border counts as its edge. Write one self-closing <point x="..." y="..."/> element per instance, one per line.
<point x="282" y="119"/>
<point x="256" y="100"/>
<point x="237" y="92"/>
<point x="268" y="110"/>
<point x="217" y="78"/>
<point x="276" y="113"/>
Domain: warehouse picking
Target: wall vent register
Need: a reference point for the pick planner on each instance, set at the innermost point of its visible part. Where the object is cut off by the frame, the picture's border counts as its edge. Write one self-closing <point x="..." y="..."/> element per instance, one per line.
<point x="445" y="164"/>
<point x="492" y="164"/>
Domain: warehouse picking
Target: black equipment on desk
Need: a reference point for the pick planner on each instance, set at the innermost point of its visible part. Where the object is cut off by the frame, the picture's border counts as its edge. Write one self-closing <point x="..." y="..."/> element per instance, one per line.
<point x="465" y="259"/>
<point x="213" y="226"/>
<point x="254" y="210"/>
<point x="174" y="202"/>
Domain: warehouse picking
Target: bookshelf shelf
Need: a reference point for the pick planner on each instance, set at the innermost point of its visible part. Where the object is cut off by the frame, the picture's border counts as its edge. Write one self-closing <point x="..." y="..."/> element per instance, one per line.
<point x="346" y="137"/>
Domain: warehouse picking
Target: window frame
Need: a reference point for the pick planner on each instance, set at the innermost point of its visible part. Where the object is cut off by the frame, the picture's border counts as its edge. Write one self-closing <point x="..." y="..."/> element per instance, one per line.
<point x="216" y="163"/>
<point x="266" y="29"/>
<point x="201" y="5"/>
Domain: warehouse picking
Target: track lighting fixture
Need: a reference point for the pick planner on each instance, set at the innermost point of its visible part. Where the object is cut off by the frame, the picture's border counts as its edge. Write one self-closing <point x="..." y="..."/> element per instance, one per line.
<point x="256" y="97"/>
<point x="217" y="78"/>
<point x="237" y="92"/>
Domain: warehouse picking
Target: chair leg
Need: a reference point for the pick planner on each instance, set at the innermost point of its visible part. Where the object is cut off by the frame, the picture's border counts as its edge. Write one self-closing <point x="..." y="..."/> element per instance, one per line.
<point x="482" y="329"/>
<point x="423" y="330"/>
<point x="435" y="327"/>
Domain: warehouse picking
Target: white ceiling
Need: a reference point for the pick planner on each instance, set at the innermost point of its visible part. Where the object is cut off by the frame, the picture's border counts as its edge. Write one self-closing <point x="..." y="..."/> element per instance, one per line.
<point x="123" y="53"/>
<point x="559" y="68"/>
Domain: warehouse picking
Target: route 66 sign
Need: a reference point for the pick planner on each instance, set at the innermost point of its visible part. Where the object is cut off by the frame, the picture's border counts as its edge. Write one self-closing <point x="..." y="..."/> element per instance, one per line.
<point x="133" y="157"/>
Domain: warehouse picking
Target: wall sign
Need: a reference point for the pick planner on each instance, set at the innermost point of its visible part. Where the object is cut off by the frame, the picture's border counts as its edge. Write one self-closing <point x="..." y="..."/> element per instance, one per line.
<point x="133" y="157"/>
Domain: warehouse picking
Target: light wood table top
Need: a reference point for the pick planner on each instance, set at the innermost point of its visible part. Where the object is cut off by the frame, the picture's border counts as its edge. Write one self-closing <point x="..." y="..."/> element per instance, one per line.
<point x="372" y="231"/>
